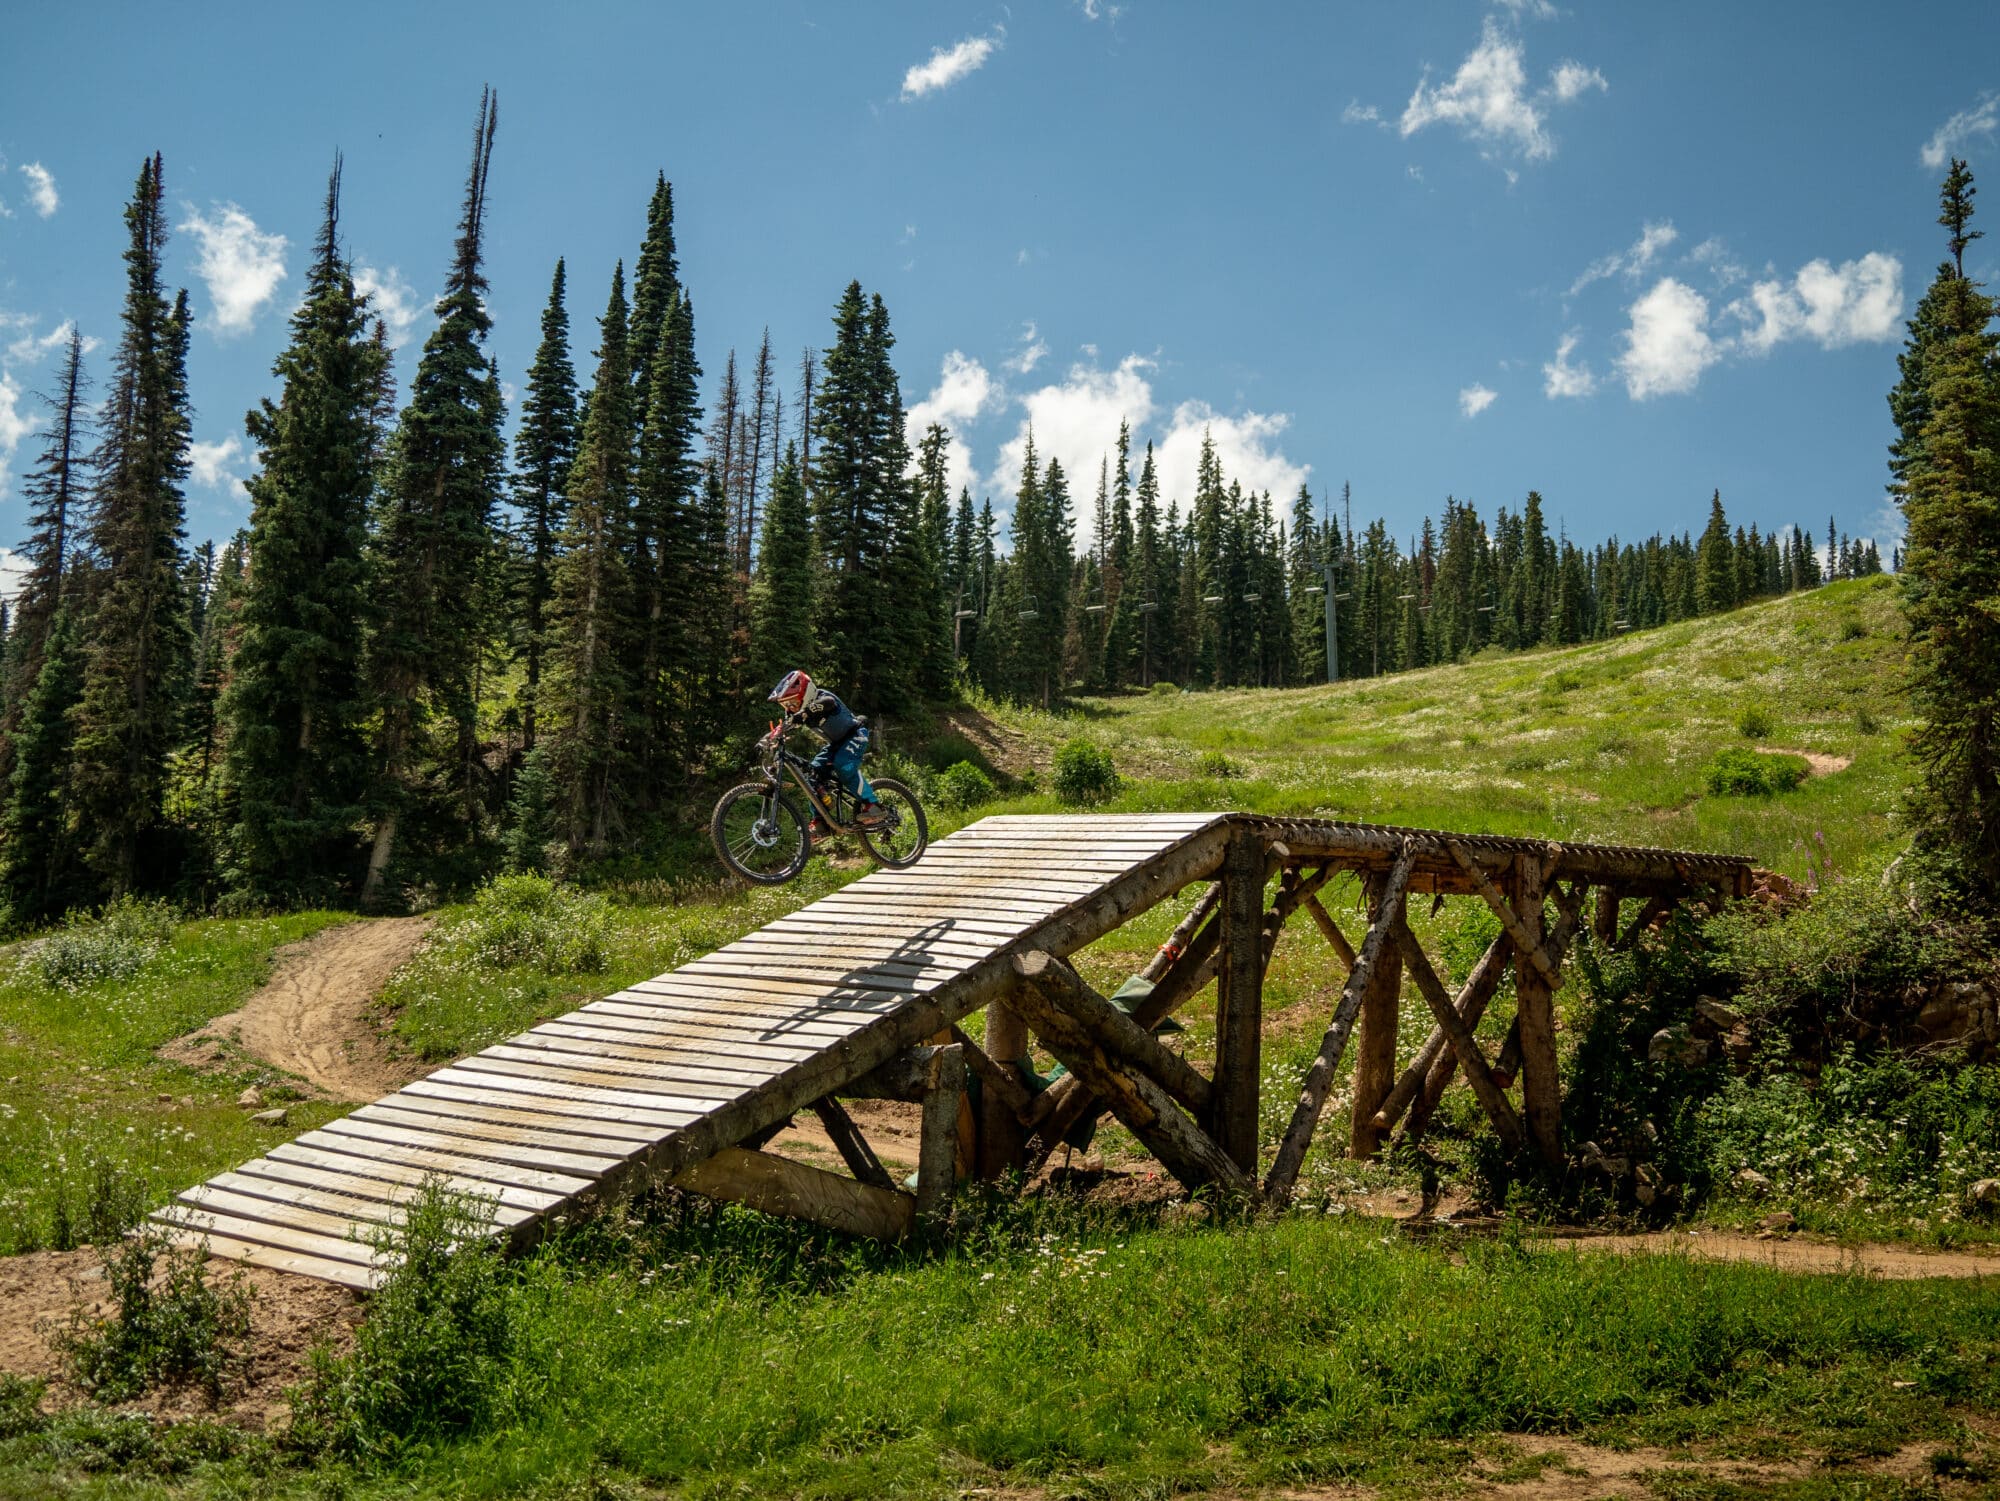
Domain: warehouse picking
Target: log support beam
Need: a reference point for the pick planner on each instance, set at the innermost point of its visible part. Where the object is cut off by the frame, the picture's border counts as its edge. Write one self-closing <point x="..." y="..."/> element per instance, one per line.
<point x="1239" y="1006"/>
<point x="937" y="1146"/>
<point x="1380" y="1020"/>
<point x="777" y="1185"/>
<point x="1499" y="1110"/>
<point x="1535" y="981"/>
<point x="851" y="1144"/>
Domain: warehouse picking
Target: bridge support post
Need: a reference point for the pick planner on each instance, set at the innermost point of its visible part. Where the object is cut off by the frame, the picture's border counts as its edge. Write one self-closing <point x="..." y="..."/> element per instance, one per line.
<point x="1375" y="1050"/>
<point x="1001" y="1137"/>
<point x="1239" y="1005"/>
<point x="1541" y="1096"/>
<point x="937" y="1149"/>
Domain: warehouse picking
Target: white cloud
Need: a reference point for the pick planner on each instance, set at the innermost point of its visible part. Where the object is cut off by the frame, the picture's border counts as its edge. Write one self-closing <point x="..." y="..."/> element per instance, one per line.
<point x="390" y="298"/>
<point x="1031" y="352"/>
<point x="1632" y="262"/>
<point x="41" y="188"/>
<point x="1667" y="345"/>
<point x="1475" y="398"/>
<point x="13" y="572"/>
<point x="1075" y="420"/>
<point x="1101" y="10"/>
<point x="1246" y="446"/>
<point x="1857" y="302"/>
<point x="947" y="65"/>
<point x="32" y="351"/>
<point x="1714" y="255"/>
<point x="965" y="392"/>
<point x="15" y="425"/>
<point x="241" y="264"/>
<point x="1571" y="80"/>
<point x="1561" y="378"/>
<point x="1538" y="10"/>
<point x="213" y="465"/>
<point x="1982" y="119"/>
<point x="1488" y="99"/>
<point x="1358" y="113"/>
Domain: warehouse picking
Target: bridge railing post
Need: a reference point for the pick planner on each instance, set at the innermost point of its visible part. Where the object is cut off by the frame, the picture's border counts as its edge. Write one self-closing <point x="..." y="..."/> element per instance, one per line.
<point x="1239" y="1006"/>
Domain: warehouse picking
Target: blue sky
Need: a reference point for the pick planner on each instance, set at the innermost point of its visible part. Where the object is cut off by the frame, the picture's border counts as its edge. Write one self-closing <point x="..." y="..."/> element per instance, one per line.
<point x="1623" y="255"/>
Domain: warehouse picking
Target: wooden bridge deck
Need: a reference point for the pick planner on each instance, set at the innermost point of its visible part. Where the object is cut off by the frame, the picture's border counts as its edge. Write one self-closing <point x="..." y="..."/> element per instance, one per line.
<point x="658" y="1077"/>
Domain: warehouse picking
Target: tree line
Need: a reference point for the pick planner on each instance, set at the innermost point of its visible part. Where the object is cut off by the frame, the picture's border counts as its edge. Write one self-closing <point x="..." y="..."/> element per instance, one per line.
<point x="432" y="650"/>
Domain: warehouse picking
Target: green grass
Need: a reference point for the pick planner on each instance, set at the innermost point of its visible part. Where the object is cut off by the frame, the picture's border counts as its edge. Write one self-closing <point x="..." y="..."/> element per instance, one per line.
<point x="81" y="1089"/>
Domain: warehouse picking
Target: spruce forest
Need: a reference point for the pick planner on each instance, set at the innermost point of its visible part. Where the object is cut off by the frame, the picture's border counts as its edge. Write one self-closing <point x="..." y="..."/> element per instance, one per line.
<point x="436" y="651"/>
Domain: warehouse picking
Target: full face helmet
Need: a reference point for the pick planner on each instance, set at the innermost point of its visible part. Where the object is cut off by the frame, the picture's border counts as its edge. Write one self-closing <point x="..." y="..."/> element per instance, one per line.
<point x="790" y="694"/>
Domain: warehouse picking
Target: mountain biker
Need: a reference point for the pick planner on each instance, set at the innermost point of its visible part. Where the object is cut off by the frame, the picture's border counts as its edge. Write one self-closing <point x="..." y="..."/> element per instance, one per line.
<point x="846" y="735"/>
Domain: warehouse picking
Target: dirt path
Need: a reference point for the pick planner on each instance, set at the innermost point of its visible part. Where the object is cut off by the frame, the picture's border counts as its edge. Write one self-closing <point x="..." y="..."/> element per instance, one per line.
<point x="1896" y="1263"/>
<point x="311" y="1017"/>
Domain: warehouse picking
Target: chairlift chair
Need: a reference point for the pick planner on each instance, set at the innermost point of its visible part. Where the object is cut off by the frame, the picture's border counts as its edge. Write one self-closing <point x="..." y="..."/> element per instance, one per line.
<point x="1028" y="610"/>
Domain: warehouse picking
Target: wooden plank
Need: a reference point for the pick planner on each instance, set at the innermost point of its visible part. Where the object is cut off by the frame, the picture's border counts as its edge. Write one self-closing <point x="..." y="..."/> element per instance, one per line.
<point x="648" y="1093"/>
<point x="779" y="1186"/>
<point x="291" y="1161"/>
<point x="533" y="1095"/>
<point x="366" y="1135"/>
<point x="265" y="1233"/>
<point x="684" y="1016"/>
<point x="1492" y="1100"/>
<point x="719" y="1065"/>
<point x="1239" y="1005"/>
<point x="862" y="945"/>
<point x="346" y="1273"/>
<point x="224" y="1203"/>
<point x="1284" y="1173"/>
<point x="464" y="1122"/>
<point x="355" y="1208"/>
<point x="742" y="996"/>
<point x="689" y="1080"/>
<point x="1534" y="987"/>
<point x="331" y="1150"/>
<point x="1145" y="1109"/>
<point x="795" y="974"/>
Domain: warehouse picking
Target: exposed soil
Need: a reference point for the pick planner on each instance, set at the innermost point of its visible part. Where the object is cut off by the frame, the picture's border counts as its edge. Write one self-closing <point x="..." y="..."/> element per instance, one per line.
<point x="894" y="1129"/>
<point x="312" y="1018"/>
<point x="288" y="1316"/>
<point x="1006" y="750"/>
<point x="1789" y="1254"/>
<point x="1822" y="764"/>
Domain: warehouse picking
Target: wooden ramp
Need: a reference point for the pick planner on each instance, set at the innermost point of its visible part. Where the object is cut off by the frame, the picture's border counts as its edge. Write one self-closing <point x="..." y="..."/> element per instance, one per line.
<point x="653" y="1080"/>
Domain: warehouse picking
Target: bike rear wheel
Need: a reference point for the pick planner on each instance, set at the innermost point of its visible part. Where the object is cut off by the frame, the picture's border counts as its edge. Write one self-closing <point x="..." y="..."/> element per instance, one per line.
<point x="900" y="841"/>
<point x="760" y="833"/>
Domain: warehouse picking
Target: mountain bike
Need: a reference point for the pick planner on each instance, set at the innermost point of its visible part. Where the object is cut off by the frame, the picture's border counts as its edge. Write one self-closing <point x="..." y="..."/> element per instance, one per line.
<point x="762" y="828"/>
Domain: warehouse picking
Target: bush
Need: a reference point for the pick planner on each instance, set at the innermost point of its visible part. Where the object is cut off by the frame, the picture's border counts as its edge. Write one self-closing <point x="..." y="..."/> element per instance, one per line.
<point x="1164" y="688"/>
<point x="963" y="785"/>
<point x="432" y="1359"/>
<point x="1083" y="774"/>
<point x="1217" y="767"/>
<point x="1736" y="772"/>
<point x="1754" y="723"/>
<point x="531" y="920"/>
<point x="113" y="945"/>
<point x="170" y="1324"/>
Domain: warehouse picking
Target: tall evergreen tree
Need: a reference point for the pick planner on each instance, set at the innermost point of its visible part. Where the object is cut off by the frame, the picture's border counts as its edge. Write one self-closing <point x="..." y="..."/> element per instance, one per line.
<point x="589" y="689"/>
<point x="41" y="870"/>
<point x="544" y="449"/>
<point x="136" y="658"/>
<point x="781" y="599"/>
<point x="297" y="755"/>
<point x="433" y="538"/>
<point x="1715" y="563"/>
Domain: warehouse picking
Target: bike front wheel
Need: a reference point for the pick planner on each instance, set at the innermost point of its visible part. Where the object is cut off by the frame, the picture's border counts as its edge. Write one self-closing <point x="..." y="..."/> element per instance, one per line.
<point x="900" y="839"/>
<point x="760" y="833"/>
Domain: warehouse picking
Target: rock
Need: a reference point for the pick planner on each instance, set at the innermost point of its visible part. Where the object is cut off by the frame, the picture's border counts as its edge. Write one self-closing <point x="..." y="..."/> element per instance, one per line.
<point x="1779" y="1223"/>
<point x="1740" y="1047"/>
<point x="1752" y="1182"/>
<point x="165" y="1099"/>
<point x="1676" y="1045"/>
<point x="1184" y="1212"/>
<point x="1721" y="1017"/>
<point x="1645" y="1193"/>
<point x="269" y="1117"/>
<point x="1984" y="1195"/>
<point x="251" y="1098"/>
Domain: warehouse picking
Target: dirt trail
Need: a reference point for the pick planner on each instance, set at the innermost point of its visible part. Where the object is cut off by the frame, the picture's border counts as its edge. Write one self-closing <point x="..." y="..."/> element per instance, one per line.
<point x="1822" y="764"/>
<point x="311" y="1017"/>
<point x="1896" y="1263"/>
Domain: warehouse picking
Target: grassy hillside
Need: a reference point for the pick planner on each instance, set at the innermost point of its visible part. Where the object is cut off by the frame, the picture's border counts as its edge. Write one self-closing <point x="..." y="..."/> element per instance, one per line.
<point x="1606" y="741"/>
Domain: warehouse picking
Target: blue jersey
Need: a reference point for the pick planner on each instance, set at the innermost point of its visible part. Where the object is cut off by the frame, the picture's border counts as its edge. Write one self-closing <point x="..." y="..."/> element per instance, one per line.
<point x="824" y="713"/>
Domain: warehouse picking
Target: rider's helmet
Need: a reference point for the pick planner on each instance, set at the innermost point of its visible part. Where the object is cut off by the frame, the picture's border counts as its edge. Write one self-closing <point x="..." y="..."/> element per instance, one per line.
<point x="790" y="694"/>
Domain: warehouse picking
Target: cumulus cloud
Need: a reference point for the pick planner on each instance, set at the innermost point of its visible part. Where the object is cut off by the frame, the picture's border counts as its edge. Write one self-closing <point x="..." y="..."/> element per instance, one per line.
<point x="1030" y="354"/>
<point x="1714" y="255"/>
<point x="1632" y="262"/>
<point x="1475" y="398"/>
<point x="29" y="350"/>
<point x="240" y="264"/>
<point x="41" y="188"/>
<point x="1358" y="113"/>
<point x="1246" y="445"/>
<point x="15" y="424"/>
<point x="1981" y="119"/>
<point x="1537" y="10"/>
<point x="1857" y="302"/>
<point x="1075" y="419"/>
<point x="1668" y="344"/>
<point x="390" y="298"/>
<point x="965" y="392"/>
<point x="947" y="65"/>
<point x="213" y="465"/>
<point x="1490" y="102"/>
<point x="1561" y="378"/>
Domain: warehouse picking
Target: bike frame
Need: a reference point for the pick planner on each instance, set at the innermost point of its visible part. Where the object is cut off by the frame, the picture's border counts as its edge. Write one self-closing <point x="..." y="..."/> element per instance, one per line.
<point x="779" y="760"/>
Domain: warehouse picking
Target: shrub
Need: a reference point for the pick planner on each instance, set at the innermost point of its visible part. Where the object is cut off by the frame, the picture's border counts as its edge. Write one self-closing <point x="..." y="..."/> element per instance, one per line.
<point x="531" y="920"/>
<point x="432" y="1358"/>
<point x="1736" y="772"/>
<point x="1216" y="766"/>
<point x="963" y="785"/>
<point x="170" y="1324"/>
<point x="1163" y="688"/>
<point x="1865" y="722"/>
<point x="1852" y="629"/>
<point x="113" y="945"/>
<point x="1754" y="723"/>
<point x="1083" y="774"/>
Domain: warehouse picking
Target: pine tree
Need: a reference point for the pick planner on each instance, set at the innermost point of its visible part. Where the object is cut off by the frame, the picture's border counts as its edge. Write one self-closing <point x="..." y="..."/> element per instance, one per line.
<point x="433" y="537"/>
<point x="781" y="599"/>
<point x="136" y="657"/>
<point x="54" y="494"/>
<point x="1715" y="563"/>
<point x="1148" y="581"/>
<point x="544" y="449"/>
<point x="589" y="690"/>
<point x="42" y="873"/>
<point x="933" y="605"/>
<point x="297" y="755"/>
